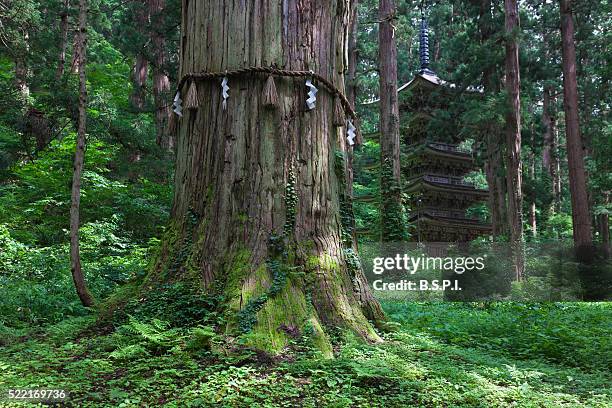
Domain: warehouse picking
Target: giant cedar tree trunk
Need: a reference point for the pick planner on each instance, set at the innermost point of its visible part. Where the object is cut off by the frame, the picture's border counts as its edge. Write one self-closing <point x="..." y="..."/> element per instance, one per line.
<point x="513" y="138"/>
<point x="75" y="257"/>
<point x="257" y="190"/>
<point x="161" y="82"/>
<point x="391" y="220"/>
<point x="577" y="177"/>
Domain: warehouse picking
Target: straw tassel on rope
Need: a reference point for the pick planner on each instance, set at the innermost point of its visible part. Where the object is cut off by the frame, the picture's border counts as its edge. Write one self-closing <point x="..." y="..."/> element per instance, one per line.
<point x="191" y="99"/>
<point x="270" y="96"/>
<point x="339" y="117"/>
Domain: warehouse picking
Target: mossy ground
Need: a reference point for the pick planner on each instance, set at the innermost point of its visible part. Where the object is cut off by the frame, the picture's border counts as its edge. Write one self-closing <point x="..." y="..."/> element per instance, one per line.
<point x="443" y="355"/>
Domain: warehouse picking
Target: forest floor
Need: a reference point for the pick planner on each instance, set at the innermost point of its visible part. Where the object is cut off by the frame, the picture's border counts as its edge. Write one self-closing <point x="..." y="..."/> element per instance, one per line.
<point x="442" y="355"/>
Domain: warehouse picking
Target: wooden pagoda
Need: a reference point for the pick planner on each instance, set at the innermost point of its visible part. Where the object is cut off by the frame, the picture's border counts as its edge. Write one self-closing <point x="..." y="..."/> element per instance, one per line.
<point x="434" y="163"/>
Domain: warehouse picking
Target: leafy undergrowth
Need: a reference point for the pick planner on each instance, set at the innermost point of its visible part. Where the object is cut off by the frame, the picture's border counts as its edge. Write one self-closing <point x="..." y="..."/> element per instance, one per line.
<point x="442" y="355"/>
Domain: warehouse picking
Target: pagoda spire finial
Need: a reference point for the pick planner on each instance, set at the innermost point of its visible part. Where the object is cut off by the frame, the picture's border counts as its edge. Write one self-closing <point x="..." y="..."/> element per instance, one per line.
<point x="424" y="47"/>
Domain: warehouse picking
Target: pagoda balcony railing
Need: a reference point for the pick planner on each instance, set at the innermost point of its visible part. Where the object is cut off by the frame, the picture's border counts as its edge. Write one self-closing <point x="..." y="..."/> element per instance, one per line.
<point x="449" y="147"/>
<point x="449" y="214"/>
<point x="455" y="181"/>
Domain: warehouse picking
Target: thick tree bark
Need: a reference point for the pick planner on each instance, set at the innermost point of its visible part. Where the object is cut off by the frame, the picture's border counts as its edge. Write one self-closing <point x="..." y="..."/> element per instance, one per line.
<point x="63" y="27"/>
<point x="391" y="219"/>
<point x="513" y="138"/>
<point x="257" y="191"/>
<point x="577" y="176"/>
<point x="75" y="257"/>
<point x="161" y="82"/>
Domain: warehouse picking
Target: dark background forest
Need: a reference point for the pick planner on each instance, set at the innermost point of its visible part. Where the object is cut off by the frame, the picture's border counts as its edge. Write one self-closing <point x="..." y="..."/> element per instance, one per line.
<point x="171" y="350"/>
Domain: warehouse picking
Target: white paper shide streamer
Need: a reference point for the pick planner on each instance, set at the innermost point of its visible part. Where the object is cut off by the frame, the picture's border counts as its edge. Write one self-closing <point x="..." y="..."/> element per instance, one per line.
<point x="312" y="95"/>
<point x="350" y="133"/>
<point x="177" y="105"/>
<point x="224" y="93"/>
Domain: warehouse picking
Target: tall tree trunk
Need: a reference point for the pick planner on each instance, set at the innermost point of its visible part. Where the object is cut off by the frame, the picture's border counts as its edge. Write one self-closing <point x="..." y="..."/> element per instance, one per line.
<point x="577" y="176"/>
<point x="74" y="64"/>
<point x="494" y="165"/>
<point x="353" y="54"/>
<point x="139" y="82"/>
<point x="257" y="191"/>
<point x="513" y="138"/>
<point x="161" y="82"/>
<point x="21" y="70"/>
<point x="604" y="228"/>
<point x="63" y="26"/>
<point x="550" y="153"/>
<point x="79" y="155"/>
<point x="141" y="65"/>
<point x="351" y="94"/>
<point x="391" y="218"/>
<point x="532" y="177"/>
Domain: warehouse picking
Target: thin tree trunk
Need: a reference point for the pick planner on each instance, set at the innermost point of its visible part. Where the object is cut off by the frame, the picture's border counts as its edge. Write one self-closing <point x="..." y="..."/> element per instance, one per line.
<point x="257" y="190"/>
<point x="513" y="138"/>
<point x="557" y="166"/>
<point x="550" y="153"/>
<point x="351" y="93"/>
<point x="141" y="65"/>
<point x="547" y="145"/>
<point x="577" y="176"/>
<point x="139" y="81"/>
<point x="353" y="55"/>
<point x="391" y="219"/>
<point x="75" y="257"/>
<point x="604" y="229"/>
<point x="74" y="64"/>
<point x="494" y="164"/>
<point x="63" y="26"/>
<point x="161" y="82"/>
<point x="21" y="70"/>
<point x="532" y="177"/>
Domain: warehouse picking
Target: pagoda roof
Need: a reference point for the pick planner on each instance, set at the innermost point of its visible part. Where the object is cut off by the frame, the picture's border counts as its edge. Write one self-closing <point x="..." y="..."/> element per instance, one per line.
<point x="439" y="149"/>
<point x="429" y="80"/>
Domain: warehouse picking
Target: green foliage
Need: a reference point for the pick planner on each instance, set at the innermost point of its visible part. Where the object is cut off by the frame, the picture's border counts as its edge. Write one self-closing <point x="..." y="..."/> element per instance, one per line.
<point x="179" y="303"/>
<point x="201" y="338"/>
<point x="35" y="282"/>
<point x="468" y="355"/>
<point x="247" y="316"/>
<point x="569" y="334"/>
<point x="393" y="217"/>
